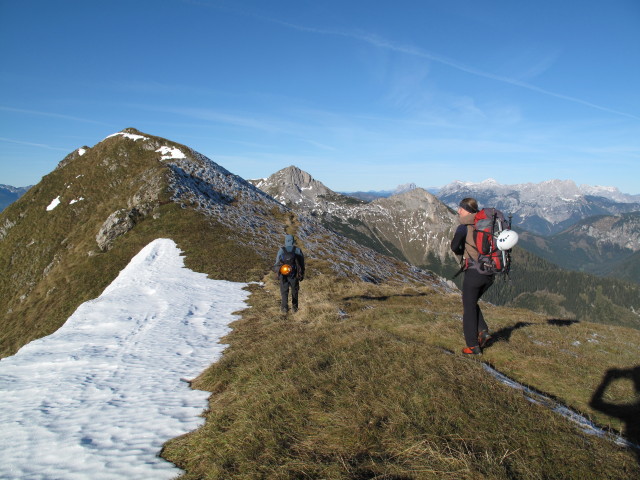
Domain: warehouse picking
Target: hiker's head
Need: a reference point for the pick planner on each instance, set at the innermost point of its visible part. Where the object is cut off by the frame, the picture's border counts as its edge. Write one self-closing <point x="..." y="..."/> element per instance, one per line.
<point x="289" y="240"/>
<point x="467" y="205"/>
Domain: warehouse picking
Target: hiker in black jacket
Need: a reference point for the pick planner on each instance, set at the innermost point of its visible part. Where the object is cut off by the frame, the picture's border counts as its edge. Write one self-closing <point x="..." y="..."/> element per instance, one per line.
<point x="290" y="269"/>
<point x="476" y="331"/>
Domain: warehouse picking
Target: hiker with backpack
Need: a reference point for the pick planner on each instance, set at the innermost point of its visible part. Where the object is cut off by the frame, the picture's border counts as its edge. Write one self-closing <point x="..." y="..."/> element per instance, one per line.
<point x="290" y="270"/>
<point x="484" y="240"/>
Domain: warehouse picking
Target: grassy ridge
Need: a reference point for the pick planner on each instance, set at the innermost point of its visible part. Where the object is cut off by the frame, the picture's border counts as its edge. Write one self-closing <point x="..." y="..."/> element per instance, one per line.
<point x="208" y="247"/>
<point x="373" y="393"/>
<point x="51" y="260"/>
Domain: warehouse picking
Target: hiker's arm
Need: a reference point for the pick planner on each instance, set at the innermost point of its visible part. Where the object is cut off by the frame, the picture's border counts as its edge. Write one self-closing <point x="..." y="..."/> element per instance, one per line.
<point x="301" y="262"/>
<point x="276" y="265"/>
<point x="459" y="239"/>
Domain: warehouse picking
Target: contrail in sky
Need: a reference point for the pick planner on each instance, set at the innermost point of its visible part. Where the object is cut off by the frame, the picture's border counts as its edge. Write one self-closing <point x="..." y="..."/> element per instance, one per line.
<point x="41" y="145"/>
<point x="48" y="114"/>
<point x="380" y="42"/>
<point x="377" y="41"/>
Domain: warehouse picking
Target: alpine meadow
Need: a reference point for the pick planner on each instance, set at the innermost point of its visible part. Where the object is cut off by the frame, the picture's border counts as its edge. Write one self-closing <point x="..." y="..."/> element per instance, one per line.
<point x="364" y="381"/>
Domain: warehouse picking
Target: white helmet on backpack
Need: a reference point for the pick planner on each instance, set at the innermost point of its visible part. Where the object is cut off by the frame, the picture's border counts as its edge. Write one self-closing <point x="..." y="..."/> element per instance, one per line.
<point x="507" y="240"/>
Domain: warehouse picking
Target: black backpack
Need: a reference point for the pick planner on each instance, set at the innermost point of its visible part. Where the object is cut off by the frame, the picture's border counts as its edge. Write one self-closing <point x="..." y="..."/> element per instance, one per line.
<point x="291" y="259"/>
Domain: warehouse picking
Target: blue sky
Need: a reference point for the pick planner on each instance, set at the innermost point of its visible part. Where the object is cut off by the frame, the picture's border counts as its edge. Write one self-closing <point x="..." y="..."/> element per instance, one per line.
<point x="361" y="94"/>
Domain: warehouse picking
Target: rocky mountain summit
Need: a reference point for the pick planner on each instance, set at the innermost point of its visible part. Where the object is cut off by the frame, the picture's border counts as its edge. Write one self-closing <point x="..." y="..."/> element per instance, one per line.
<point x="296" y="188"/>
<point x="544" y="208"/>
<point x="412" y="225"/>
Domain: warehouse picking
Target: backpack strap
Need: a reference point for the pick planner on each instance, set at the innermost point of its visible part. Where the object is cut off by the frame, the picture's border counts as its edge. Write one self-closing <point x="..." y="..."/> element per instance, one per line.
<point x="463" y="267"/>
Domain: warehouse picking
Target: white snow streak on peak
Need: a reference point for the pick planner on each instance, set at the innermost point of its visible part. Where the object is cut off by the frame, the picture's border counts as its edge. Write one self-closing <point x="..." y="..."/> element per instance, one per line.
<point x="54" y="203"/>
<point x="169" y="153"/>
<point x="81" y="151"/>
<point x="98" y="398"/>
<point x="129" y="135"/>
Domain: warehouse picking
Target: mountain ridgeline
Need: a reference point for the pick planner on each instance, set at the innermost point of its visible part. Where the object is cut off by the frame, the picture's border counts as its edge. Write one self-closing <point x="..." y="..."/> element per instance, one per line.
<point x="417" y="227"/>
<point x="67" y="238"/>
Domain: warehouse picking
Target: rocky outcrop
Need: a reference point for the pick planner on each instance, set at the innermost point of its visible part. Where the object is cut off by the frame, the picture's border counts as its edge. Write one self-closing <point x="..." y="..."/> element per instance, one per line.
<point x="5" y="227"/>
<point x="622" y="231"/>
<point x="116" y="225"/>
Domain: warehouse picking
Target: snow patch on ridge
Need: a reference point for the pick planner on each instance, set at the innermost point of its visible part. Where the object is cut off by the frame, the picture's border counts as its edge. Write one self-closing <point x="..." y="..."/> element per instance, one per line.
<point x="169" y="153"/>
<point x="54" y="203"/>
<point x="98" y="398"/>
<point x="129" y="135"/>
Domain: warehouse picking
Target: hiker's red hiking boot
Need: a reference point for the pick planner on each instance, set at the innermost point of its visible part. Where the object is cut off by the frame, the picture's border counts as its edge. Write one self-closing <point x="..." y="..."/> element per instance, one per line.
<point x="472" y="350"/>
<point x="484" y="338"/>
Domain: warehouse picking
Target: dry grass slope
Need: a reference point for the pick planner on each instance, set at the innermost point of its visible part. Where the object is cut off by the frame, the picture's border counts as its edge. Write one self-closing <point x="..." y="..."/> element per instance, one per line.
<point x="359" y="384"/>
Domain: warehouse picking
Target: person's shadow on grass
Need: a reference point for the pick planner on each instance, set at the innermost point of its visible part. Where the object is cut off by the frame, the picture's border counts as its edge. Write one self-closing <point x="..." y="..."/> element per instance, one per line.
<point x="629" y="413"/>
<point x="504" y="334"/>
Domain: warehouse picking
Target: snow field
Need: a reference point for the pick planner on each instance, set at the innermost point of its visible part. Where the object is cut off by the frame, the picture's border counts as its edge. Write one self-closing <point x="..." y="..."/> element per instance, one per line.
<point x="99" y="397"/>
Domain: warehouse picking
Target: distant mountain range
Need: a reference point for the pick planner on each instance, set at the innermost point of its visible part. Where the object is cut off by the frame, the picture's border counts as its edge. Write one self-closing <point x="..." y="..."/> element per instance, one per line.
<point x="544" y="208"/>
<point x="582" y="228"/>
<point x="374" y="194"/>
<point x="403" y="222"/>
<point x="9" y="194"/>
<point x="412" y="225"/>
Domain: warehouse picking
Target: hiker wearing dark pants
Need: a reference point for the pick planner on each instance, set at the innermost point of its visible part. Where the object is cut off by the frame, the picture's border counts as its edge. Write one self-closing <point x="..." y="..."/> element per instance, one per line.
<point x="286" y="283"/>
<point x="473" y="286"/>
<point x="290" y="270"/>
<point x="476" y="331"/>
